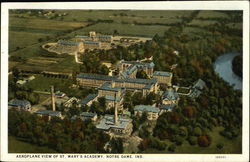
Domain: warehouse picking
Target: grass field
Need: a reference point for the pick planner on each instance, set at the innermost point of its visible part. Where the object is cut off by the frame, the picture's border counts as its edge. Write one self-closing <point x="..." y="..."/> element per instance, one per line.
<point x="27" y="31"/>
<point x="41" y="83"/>
<point x="124" y="15"/>
<point x="16" y="145"/>
<point x="125" y="29"/>
<point x="211" y="14"/>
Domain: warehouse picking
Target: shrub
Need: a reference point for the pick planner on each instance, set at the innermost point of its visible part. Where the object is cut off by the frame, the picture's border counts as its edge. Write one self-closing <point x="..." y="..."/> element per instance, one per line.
<point x="197" y="131"/>
<point x="203" y="141"/>
<point x="172" y="148"/>
<point x="220" y="146"/>
<point x="192" y="140"/>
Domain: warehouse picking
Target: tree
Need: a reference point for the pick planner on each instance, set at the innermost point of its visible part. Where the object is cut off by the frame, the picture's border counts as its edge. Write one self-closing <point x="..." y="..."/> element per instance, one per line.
<point x="219" y="146"/>
<point x="172" y="148"/>
<point x="141" y="74"/>
<point x="203" y="141"/>
<point x="192" y="140"/>
<point x="116" y="145"/>
<point x="197" y="131"/>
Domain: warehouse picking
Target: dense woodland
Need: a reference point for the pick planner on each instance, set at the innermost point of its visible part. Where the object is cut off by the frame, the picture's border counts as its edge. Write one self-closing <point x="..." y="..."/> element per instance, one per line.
<point x="193" y="120"/>
<point x="238" y="65"/>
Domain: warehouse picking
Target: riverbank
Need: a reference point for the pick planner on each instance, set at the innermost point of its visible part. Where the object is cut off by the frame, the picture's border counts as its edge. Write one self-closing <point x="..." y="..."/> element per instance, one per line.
<point x="238" y="65"/>
<point x="223" y="66"/>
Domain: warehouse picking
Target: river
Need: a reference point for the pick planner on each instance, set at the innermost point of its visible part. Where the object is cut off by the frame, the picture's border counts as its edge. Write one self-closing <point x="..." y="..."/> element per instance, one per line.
<point x="223" y="66"/>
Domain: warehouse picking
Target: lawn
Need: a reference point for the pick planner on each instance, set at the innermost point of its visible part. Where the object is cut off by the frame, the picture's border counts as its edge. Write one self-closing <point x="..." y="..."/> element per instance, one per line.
<point x="41" y="83"/>
<point x="17" y="145"/>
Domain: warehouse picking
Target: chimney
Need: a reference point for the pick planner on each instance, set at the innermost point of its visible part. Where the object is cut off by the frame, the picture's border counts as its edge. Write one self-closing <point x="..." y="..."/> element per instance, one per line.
<point x="53" y="99"/>
<point x="112" y="84"/>
<point x="115" y="116"/>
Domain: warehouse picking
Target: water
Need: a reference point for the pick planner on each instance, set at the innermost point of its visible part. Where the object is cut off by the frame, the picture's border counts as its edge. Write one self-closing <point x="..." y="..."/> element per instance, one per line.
<point x="223" y="66"/>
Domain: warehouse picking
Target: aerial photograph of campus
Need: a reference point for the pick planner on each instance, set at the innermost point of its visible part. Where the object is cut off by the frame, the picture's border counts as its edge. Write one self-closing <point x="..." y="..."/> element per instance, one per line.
<point x="125" y="81"/>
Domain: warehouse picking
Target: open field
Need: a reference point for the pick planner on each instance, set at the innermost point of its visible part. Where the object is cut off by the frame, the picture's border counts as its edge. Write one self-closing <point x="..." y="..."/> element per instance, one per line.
<point x="28" y="31"/>
<point x="16" y="145"/>
<point x="211" y="14"/>
<point x="125" y="29"/>
<point x="124" y="15"/>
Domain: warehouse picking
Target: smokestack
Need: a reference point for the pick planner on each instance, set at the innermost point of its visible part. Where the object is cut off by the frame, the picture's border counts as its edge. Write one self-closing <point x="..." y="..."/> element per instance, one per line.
<point x="53" y="99"/>
<point x="115" y="116"/>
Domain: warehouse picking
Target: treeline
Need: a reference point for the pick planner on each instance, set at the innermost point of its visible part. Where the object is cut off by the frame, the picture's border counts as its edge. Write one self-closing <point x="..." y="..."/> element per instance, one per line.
<point x="64" y="136"/>
<point x="238" y="65"/>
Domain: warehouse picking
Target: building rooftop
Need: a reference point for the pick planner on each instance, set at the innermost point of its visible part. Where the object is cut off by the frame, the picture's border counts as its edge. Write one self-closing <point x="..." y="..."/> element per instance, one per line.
<point x="67" y="42"/>
<point x="139" y="63"/>
<point x="107" y="122"/>
<point x="129" y="71"/>
<point x="96" y="76"/>
<point x="82" y="36"/>
<point x="104" y="36"/>
<point x="162" y="73"/>
<point x="170" y="94"/>
<point x="195" y="93"/>
<point x="87" y="99"/>
<point x="199" y="84"/>
<point x="107" y="86"/>
<point x="146" y="108"/>
<point x="48" y="112"/>
<point x="91" y="42"/>
<point x="167" y="107"/>
<point x="112" y="98"/>
<point x="88" y="114"/>
<point x="16" y="102"/>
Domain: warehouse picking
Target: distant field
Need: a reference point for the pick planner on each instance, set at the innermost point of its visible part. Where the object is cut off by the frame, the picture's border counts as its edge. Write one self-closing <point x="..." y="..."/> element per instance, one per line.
<point x="124" y="15"/>
<point x="211" y="14"/>
<point x="15" y="145"/>
<point x="202" y="23"/>
<point x="125" y="29"/>
<point x="22" y="39"/>
<point x="27" y="31"/>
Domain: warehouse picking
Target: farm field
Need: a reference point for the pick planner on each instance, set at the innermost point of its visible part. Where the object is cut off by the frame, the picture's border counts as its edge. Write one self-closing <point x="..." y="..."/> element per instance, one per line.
<point x="125" y="29"/>
<point x="28" y="33"/>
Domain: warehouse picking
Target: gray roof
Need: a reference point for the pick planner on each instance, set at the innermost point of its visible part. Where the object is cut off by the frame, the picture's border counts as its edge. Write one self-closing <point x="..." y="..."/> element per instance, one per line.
<point x="112" y="78"/>
<point x="112" y="98"/>
<point x="167" y="107"/>
<point x="107" y="86"/>
<point x="146" y="108"/>
<point x="88" y="114"/>
<point x="87" y="99"/>
<point x="82" y="36"/>
<point x="48" y="112"/>
<point x="199" y="84"/>
<point x="104" y="36"/>
<point x="107" y="122"/>
<point x="129" y="71"/>
<point x="195" y="93"/>
<point x="162" y="73"/>
<point x="91" y="42"/>
<point x="170" y="94"/>
<point x="96" y="76"/>
<point x="136" y="80"/>
<point x="67" y="42"/>
<point x="16" y="102"/>
<point x="139" y="63"/>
